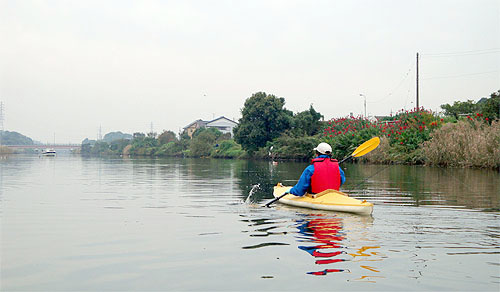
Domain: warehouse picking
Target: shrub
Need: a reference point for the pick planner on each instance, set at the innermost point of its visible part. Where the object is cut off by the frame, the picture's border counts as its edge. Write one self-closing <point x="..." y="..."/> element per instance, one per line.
<point x="174" y="148"/>
<point x="491" y="108"/>
<point x="142" y="145"/>
<point x="101" y="148"/>
<point x="411" y="128"/>
<point x="345" y="134"/>
<point x="404" y="133"/>
<point x="117" y="146"/>
<point x="468" y="143"/>
<point x="166" y="137"/>
<point x="386" y="153"/>
<point x="287" y="147"/>
<point x="203" y="143"/>
<point x="228" y="149"/>
<point x="382" y="154"/>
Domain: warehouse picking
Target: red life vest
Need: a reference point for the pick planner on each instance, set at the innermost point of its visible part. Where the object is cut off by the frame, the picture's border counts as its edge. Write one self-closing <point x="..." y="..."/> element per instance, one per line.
<point x="326" y="175"/>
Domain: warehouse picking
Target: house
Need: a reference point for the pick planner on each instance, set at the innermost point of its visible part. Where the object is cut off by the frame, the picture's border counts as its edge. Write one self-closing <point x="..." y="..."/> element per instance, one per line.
<point x="222" y="124"/>
<point x="189" y="129"/>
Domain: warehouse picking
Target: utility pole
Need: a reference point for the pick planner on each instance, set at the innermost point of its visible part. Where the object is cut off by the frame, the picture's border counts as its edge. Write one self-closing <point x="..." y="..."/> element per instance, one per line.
<point x="418" y="107"/>
<point x="361" y="94"/>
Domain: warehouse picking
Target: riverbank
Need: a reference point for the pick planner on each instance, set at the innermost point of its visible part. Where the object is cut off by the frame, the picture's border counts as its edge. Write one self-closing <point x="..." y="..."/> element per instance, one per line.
<point x="466" y="143"/>
<point x="267" y="130"/>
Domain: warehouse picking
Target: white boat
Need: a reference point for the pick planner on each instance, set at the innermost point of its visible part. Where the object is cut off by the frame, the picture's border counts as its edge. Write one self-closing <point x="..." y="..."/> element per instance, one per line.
<point x="49" y="152"/>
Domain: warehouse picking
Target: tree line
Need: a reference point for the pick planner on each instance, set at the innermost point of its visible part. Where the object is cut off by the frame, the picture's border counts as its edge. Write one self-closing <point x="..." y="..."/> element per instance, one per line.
<point x="267" y="130"/>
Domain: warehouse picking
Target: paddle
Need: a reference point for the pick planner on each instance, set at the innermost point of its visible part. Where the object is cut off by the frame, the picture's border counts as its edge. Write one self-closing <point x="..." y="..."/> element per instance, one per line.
<point x="362" y="149"/>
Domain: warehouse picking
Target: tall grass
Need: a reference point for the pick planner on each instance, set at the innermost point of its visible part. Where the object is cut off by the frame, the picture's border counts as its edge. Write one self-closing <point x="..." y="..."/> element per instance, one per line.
<point x="467" y="143"/>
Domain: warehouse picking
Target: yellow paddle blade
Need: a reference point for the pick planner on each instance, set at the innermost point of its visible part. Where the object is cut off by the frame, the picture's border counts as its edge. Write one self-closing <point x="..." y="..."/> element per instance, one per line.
<point x="366" y="147"/>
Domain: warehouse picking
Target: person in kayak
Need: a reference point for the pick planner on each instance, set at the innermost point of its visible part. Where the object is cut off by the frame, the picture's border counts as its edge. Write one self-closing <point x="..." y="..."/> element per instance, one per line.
<point x="323" y="173"/>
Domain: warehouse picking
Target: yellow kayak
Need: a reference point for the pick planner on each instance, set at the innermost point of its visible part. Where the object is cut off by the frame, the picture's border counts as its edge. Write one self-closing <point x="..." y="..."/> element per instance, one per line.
<point x="330" y="200"/>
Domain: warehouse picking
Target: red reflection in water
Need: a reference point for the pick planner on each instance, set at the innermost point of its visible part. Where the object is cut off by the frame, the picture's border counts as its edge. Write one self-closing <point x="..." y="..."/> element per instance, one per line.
<point x="318" y="254"/>
<point x="331" y="261"/>
<point x="325" y="232"/>
<point x="324" y="272"/>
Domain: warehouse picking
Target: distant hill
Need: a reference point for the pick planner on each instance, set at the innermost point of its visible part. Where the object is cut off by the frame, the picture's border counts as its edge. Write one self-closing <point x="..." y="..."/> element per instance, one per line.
<point x="14" y="138"/>
<point x="113" y="136"/>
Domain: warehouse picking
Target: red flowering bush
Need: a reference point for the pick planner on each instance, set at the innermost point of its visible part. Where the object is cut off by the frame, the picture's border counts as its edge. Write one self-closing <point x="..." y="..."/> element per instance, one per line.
<point x="405" y="131"/>
<point x="345" y="134"/>
<point x="411" y="128"/>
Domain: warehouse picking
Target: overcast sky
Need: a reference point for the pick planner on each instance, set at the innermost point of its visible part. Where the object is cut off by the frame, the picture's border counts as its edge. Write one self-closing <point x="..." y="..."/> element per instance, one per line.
<point x="70" y="67"/>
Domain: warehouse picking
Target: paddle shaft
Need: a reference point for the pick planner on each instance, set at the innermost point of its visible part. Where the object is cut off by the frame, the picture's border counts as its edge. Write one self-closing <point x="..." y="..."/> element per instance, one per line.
<point x="274" y="200"/>
<point x="345" y="159"/>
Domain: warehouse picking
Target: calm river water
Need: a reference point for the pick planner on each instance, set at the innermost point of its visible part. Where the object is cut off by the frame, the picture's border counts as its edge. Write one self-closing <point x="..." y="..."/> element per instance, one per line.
<point x="74" y="223"/>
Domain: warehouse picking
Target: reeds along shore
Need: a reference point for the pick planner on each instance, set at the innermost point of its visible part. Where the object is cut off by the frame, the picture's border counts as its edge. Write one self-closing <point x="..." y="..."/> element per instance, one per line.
<point x="467" y="143"/>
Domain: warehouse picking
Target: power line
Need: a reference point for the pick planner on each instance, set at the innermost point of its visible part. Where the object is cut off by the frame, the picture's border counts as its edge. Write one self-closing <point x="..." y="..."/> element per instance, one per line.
<point x="397" y="86"/>
<point x="461" y="75"/>
<point x="463" y="53"/>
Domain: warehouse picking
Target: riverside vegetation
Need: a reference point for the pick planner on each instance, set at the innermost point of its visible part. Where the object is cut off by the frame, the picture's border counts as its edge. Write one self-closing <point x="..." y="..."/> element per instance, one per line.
<point x="467" y="134"/>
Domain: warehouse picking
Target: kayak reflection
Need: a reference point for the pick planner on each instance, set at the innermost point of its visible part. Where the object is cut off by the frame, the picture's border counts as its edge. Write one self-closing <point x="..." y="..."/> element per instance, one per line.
<point x="329" y="238"/>
<point x="326" y="235"/>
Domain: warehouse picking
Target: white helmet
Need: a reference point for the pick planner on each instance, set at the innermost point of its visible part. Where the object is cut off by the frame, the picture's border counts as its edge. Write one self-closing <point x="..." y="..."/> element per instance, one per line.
<point x="324" y="148"/>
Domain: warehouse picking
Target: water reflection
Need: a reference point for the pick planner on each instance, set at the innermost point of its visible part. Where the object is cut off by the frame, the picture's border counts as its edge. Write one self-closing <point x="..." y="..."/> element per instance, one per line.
<point x="326" y="234"/>
<point x="266" y="175"/>
<point x="263" y="228"/>
<point x="399" y="185"/>
<point x="157" y="224"/>
<point x="425" y="186"/>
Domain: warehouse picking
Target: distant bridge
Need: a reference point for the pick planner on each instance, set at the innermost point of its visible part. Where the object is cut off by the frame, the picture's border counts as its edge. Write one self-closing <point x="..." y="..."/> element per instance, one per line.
<point x="40" y="146"/>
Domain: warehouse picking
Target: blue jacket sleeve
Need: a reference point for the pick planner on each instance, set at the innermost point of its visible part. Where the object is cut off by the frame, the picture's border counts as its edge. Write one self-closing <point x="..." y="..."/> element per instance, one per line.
<point x="304" y="182"/>
<point x="342" y="176"/>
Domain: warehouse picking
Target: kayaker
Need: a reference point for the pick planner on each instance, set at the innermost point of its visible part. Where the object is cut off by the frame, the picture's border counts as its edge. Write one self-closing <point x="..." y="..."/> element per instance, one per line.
<point x="323" y="173"/>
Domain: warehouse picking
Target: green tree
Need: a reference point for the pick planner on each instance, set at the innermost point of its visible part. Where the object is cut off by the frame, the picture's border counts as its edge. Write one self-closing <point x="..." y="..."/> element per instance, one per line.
<point x="174" y="148"/>
<point x="460" y="107"/>
<point x="491" y="108"/>
<point x="100" y="147"/>
<point x="288" y="147"/>
<point x="228" y="149"/>
<point x="264" y="118"/>
<point x="117" y="146"/>
<point x="166" y="137"/>
<point x="203" y="142"/>
<point x="142" y="145"/>
<point x="213" y="131"/>
<point x="138" y="135"/>
<point x="86" y="149"/>
<point x="307" y="122"/>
